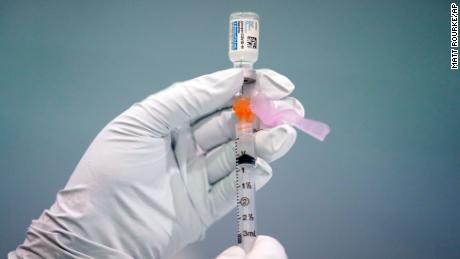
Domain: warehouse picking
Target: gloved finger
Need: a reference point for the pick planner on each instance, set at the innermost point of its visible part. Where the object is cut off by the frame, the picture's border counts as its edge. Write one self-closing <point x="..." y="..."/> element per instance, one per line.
<point x="266" y="247"/>
<point x="273" y="143"/>
<point x="270" y="144"/>
<point x="222" y="195"/>
<point x="290" y="103"/>
<point x="214" y="130"/>
<point x="186" y="101"/>
<point x="233" y="252"/>
<point x="273" y="84"/>
<point x="219" y="127"/>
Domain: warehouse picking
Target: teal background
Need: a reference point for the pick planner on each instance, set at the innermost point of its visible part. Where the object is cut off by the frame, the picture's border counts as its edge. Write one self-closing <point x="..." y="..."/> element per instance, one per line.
<point x="385" y="184"/>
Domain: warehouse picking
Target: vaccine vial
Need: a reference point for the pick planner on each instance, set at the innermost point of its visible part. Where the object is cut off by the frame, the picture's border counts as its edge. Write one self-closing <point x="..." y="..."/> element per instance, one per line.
<point x="243" y="49"/>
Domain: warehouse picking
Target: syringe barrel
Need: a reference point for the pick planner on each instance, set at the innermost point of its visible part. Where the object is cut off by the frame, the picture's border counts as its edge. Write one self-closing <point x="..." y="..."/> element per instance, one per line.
<point x="245" y="165"/>
<point x="246" y="186"/>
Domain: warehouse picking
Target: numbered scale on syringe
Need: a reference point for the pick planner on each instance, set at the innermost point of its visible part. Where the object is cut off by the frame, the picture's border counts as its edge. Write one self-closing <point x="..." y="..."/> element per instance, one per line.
<point x="245" y="165"/>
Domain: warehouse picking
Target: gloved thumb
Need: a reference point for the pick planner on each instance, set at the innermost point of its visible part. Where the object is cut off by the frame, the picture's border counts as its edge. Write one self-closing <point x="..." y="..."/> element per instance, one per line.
<point x="265" y="247"/>
<point x="233" y="252"/>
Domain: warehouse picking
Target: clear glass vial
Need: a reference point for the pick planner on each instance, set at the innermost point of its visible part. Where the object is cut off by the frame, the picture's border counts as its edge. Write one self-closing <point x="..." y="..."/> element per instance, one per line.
<point x="243" y="48"/>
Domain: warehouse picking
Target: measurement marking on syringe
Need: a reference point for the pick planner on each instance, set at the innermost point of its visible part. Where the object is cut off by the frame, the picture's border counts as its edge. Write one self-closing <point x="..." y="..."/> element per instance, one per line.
<point x="244" y="201"/>
<point x="246" y="185"/>
<point x="249" y="233"/>
<point x="248" y="217"/>
<point x="238" y="217"/>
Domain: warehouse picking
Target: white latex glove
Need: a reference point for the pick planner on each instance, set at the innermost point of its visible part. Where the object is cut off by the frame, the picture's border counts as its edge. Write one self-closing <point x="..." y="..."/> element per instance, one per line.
<point x="265" y="247"/>
<point x="158" y="175"/>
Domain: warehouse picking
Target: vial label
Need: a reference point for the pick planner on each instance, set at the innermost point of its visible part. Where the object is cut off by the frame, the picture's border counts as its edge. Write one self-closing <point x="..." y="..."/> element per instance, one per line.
<point x="244" y="35"/>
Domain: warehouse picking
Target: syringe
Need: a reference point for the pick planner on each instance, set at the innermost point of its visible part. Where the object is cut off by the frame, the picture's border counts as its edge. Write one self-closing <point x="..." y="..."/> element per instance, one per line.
<point x="245" y="163"/>
<point x="243" y="52"/>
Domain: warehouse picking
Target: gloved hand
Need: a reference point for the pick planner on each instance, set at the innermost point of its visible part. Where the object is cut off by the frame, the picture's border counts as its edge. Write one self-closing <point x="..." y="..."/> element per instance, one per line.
<point x="265" y="247"/>
<point x="157" y="176"/>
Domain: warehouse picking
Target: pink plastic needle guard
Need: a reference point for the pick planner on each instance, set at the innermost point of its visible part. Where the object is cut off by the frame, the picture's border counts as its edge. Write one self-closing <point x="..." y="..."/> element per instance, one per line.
<point x="265" y="110"/>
